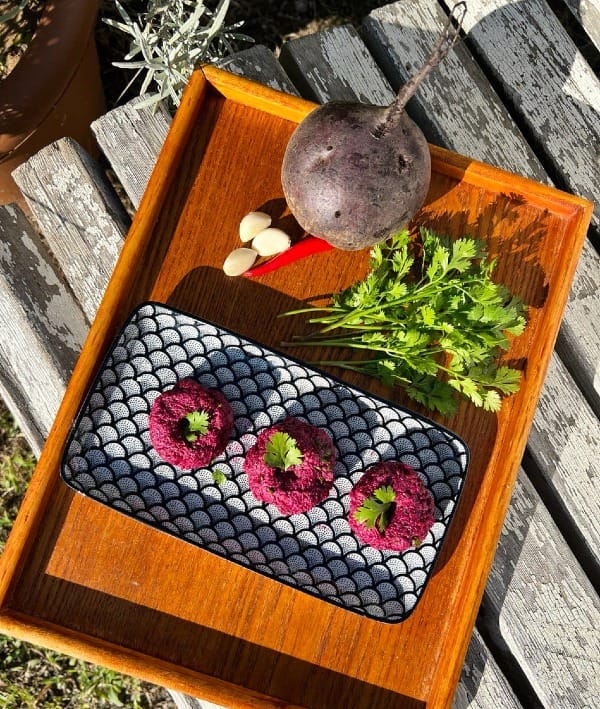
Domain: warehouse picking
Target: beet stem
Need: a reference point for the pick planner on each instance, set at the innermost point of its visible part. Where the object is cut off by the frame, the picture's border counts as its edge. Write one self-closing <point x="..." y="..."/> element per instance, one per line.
<point x="448" y="37"/>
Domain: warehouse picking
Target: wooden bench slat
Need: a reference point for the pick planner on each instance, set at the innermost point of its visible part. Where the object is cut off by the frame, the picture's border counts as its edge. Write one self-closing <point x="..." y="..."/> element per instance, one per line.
<point x="259" y="64"/>
<point x="455" y="105"/>
<point x="550" y="85"/>
<point x="25" y="416"/>
<point x="78" y="214"/>
<point x="43" y="327"/>
<point x="543" y="607"/>
<point x="183" y="701"/>
<point x="132" y="137"/>
<point x="578" y="343"/>
<point x="356" y="75"/>
<point x="564" y="442"/>
<point x="28" y="271"/>
<point x="587" y="13"/>
<point x="482" y="684"/>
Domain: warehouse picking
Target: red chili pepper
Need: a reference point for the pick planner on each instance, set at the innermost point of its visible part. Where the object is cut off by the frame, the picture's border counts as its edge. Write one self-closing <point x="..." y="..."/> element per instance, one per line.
<point x="305" y="247"/>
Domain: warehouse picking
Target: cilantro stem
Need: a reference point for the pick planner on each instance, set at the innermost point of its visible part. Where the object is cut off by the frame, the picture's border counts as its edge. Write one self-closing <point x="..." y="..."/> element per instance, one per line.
<point x="423" y="293"/>
<point x="302" y="311"/>
<point x="359" y="367"/>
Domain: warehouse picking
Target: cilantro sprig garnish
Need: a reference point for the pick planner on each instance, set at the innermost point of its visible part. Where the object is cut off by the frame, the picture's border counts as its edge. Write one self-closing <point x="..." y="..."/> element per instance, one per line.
<point x="219" y="476"/>
<point x="194" y="424"/>
<point x="282" y="452"/>
<point x="377" y="510"/>
<point x="430" y="319"/>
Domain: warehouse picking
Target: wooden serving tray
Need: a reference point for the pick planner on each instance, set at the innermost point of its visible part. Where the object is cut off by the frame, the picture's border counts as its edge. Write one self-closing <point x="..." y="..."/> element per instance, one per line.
<point x="94" y="583"/>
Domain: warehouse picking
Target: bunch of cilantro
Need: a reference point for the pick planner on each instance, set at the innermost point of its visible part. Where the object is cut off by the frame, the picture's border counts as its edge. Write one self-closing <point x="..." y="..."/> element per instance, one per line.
<point x="430" y="319"/>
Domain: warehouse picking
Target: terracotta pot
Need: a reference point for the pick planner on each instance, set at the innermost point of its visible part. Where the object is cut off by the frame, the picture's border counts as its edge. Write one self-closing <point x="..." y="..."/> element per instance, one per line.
<point x="54" y="91"/>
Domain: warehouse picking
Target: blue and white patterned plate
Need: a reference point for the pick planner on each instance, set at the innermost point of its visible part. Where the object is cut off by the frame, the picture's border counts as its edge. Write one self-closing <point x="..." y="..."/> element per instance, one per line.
<point x="109" y="458"/>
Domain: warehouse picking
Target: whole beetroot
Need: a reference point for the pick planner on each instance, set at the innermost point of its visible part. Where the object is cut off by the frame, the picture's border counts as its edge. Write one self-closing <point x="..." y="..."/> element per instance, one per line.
<point x="354" y="174"/>
<point x="390" y="507"/>
<point x="190" y="425"/>
<point x="354" y="188"/>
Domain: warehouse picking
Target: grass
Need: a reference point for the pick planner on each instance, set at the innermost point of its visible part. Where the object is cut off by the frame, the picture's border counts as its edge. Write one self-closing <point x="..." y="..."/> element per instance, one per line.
<point x="16" y="466"/>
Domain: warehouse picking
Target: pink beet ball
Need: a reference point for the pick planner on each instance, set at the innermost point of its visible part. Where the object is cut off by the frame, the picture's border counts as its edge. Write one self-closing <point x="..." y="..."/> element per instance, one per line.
<point x="166" y="431"/>
<point x="301" y="486"/>
<point x="413" y="512"/>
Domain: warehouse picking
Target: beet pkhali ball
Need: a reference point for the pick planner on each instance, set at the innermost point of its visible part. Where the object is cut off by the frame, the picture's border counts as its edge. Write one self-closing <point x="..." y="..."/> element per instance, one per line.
<point x="190" y="425"/>
<point x="291" y="465"/>
<point x="390" y="507"/>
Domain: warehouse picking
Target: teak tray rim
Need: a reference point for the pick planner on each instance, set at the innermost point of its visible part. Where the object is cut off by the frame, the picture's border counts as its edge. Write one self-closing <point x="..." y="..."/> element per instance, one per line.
<point x="112" y="312"/>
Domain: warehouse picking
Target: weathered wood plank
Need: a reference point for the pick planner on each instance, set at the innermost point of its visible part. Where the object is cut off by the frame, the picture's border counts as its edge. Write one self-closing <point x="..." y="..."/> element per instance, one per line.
<point x="482" y="684"/>
<point x="259" y="64"/>
<point x="77" y="213"/>
<point x="578" y="342"/>
<point x="43" y="326"/>
<point x="455" y="105"/>
<point x="15" y="401"/>
<point x="543" y="607"/>
<point x="29" y="273"/>
<point x="564" y="443"/>
<point x="355" y="73"/>
<point x="131" y="137"/>
<point x="183" y="701"/>
<point x="549" y="84"/>
<point x="587" y="13"/>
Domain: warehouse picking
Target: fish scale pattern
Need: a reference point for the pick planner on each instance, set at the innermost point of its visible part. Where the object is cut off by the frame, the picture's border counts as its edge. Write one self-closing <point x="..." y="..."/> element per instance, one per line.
<point x="109" y="457"/>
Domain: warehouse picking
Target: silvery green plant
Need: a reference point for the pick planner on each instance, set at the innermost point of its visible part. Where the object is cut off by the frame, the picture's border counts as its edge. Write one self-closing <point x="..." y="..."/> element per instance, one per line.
<point x="169" y="39"/>
<point x="14" y="11"/>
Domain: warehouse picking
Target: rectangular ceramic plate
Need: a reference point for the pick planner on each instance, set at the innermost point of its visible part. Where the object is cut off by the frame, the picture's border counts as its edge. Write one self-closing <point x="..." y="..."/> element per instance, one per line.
<point x="110" y="458"/>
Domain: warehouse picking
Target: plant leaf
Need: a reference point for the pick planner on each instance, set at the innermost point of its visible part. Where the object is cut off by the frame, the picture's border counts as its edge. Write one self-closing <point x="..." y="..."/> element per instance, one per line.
<point x="377" y="509"/>
<point x="195" y="424"/>
<point x="282" y="451"/>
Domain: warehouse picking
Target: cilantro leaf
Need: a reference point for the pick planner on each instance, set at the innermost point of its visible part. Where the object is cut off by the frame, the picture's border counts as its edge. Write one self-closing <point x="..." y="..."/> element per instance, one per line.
<point x="464" y="251"/>
<point x="219" y="476"/>
<point x="282" y="451"/>
<point x="377" y="510"/>
<point x="194" y="424"/>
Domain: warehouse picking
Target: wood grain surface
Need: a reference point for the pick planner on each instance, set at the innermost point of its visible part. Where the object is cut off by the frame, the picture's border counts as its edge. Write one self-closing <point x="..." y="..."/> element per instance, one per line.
<point x="42" y="322"/>
<point x="106" y="587"/>
<point x="73" y="213"/>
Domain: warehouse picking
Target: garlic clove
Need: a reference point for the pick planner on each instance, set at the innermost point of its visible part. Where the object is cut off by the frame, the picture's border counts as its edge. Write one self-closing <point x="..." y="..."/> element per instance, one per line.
<point x="271" y="241"/>
<point x="252" y="224"/>
<point x="238" y="261"/>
